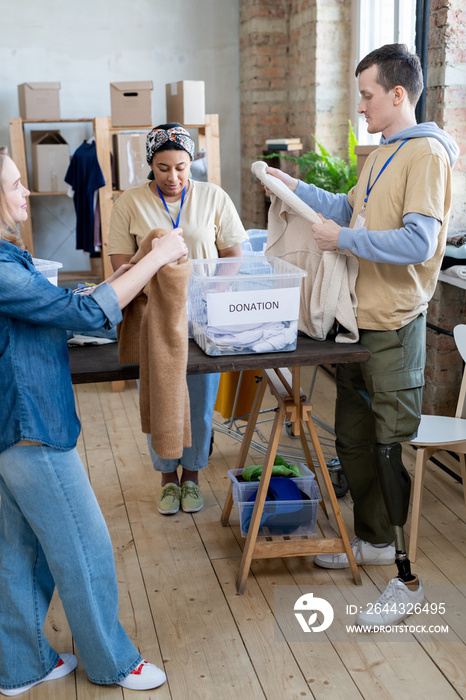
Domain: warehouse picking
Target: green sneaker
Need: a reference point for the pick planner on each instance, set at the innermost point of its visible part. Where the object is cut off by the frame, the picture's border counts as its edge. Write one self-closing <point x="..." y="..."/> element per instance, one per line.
<point x="192" y="499"/>
<point x="169" y="501"/>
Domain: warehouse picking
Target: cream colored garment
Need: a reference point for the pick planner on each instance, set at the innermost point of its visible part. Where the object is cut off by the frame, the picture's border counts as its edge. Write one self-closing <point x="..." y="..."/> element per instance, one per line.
<point x="328" y="291"/>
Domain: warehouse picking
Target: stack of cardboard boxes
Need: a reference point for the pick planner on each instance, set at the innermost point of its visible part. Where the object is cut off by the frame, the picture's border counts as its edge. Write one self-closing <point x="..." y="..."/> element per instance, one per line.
<point x="50" y="151"/>
<point x="131" y="107"/>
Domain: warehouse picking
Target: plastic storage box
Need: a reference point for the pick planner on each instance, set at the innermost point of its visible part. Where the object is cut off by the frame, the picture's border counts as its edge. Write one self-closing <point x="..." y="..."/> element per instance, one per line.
<point x="244" y="305"/>
<point x="256" y="243"/>
<point x="282" y="517"/>
<point x="49" y="268"/>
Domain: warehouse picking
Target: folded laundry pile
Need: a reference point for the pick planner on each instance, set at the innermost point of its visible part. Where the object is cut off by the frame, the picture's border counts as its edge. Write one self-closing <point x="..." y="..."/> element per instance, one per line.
<point x="262" y="337"/>
<point x="286" y="514"/>
<point x="454" y="252"/>
<point x="291" y="503"/>
<point x="457" y="240"/>
<point x="99" y="336"/>
<point x="456" y="271"/>
<point x="280" y="468"/>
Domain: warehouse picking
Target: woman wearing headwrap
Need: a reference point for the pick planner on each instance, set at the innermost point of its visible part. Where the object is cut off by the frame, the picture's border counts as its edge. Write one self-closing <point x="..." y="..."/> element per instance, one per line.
<point x="211" y="229"/>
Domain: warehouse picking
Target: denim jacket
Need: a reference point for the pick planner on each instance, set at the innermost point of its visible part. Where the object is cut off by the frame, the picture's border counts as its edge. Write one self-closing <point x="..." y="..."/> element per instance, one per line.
<point x="37" y="401"/>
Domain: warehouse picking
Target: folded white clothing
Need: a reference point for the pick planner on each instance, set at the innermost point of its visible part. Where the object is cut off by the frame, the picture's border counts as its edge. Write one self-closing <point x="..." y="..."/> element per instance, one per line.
<point x="456" y="271"/>
<point x="89" y="340"/>
<point x="262" y="338"/>
<point x="246" y="329"/>
<point x="242" y="339"/>
<point x="277" y="340"/>
<point x="284" y="193"/>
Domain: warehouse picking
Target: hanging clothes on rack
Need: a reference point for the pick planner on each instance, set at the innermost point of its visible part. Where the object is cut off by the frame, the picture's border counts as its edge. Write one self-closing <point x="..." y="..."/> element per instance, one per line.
<point x="85" y="177"/>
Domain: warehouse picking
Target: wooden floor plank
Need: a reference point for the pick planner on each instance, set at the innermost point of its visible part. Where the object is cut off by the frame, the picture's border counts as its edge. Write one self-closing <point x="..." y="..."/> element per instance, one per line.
<point x="321" y="665"/>
<point x="186" y="601"/>
<point x="177" y="580"/>
<point x="277" y="670"/>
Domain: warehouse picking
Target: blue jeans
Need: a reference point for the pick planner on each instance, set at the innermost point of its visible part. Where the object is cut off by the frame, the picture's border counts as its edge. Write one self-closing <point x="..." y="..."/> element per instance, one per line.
<point x="52" y="532"/>
<point x="202" y="390"/>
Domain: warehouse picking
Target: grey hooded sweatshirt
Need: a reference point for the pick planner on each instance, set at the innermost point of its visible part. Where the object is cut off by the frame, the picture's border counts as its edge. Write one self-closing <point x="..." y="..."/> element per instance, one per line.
<point x="421" y="230"/>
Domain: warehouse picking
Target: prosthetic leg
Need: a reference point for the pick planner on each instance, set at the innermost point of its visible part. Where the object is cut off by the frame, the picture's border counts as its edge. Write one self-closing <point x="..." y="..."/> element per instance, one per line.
<point x="405" y="591"/>
<point x="396" y="487"/>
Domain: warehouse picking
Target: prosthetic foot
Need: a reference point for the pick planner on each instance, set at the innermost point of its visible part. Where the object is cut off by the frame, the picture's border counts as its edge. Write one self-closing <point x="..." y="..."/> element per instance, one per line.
<point x="396" y="486"/>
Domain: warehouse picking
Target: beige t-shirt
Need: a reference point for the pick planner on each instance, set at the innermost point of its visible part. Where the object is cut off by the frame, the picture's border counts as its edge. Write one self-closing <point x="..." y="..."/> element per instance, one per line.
<point x="418" y="180"/>
<point x="208" y="218"/>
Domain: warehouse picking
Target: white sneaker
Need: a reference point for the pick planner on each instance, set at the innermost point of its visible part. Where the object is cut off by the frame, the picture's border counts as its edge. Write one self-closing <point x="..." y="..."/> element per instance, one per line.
<point x="65" y="665"/>
<point x="144" y="677"/>
<point x="396" y="602"/>
<point x="365" y="553"/>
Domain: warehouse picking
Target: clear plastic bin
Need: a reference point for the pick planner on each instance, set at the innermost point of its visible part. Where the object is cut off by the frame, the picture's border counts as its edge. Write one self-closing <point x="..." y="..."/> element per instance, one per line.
<point x="256" y="243"/>
<point x="49" y="268"/>
<point x="279" y="517"/>
<point x="243" y="490"/>
<point x="244" y="305"/>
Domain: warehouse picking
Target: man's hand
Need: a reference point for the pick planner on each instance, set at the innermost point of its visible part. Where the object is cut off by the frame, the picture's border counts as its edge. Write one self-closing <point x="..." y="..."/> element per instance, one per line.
<point x="290" y="182"/>
<point x="326" y="234"/>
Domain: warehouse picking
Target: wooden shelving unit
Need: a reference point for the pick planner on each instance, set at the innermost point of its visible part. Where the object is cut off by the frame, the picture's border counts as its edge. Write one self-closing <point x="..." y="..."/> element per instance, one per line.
<point x="208" y="138"/>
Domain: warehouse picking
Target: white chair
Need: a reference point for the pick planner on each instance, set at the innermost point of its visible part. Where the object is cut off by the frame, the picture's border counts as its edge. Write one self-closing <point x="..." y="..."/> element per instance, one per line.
<point x="439" y="433"/>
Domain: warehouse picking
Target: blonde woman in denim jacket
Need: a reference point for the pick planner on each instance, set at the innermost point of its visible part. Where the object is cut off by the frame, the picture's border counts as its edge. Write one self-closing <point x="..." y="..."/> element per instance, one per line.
<point x="52" y="532"/>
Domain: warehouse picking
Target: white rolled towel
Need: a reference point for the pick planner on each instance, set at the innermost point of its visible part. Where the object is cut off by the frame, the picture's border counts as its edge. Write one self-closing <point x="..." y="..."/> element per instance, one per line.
<point x="456" y="271"/>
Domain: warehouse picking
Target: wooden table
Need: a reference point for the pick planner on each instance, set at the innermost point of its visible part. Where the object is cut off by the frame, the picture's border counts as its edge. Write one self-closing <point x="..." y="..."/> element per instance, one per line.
<point x="100" y="364"/>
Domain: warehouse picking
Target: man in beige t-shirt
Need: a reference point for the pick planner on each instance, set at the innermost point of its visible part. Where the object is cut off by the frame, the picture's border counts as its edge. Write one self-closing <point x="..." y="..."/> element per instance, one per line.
<point x="395" y="221"/>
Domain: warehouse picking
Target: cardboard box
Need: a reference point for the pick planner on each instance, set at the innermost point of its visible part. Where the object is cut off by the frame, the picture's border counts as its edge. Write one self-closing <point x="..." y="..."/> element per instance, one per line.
<point x="131" y="103"/>
<point x="50" y="161"/>
<point x="39" y="100"/>
<point x="186" y="102"/>
<point x="361" y="154"/>
<point x="130" y="156"/>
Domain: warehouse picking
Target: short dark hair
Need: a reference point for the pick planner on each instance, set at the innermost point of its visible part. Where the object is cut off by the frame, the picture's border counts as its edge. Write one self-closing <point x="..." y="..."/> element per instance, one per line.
<point x="396" y="65"/>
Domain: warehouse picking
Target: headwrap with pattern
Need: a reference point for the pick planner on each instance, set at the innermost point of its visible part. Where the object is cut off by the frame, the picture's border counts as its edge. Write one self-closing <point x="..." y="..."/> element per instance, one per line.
<point x="157" y="137"/>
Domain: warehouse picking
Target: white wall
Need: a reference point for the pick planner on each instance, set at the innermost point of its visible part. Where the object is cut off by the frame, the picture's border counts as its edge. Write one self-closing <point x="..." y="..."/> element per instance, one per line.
<point x="86" y="45"/>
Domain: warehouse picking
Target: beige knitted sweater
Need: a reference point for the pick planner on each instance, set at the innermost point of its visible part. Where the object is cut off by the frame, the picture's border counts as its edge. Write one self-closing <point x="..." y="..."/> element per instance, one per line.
<point x="154" y="332"/>
<point x="328" y="291"/>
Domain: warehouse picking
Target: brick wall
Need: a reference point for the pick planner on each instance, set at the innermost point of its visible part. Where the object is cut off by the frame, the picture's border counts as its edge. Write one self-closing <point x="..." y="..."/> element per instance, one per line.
<point x="446" y="89"/>
<point x="264" y="92"/>
<point x="444" y="366"/>
<point x="446" y="105"/>
<point x="293" y="82"/>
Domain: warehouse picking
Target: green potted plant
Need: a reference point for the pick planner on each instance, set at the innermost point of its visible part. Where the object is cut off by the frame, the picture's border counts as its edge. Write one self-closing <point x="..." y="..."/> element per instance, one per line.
<point x="319" y="168"/>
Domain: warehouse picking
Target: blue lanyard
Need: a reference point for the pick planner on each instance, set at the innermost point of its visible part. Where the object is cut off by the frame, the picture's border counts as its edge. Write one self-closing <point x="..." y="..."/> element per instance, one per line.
<point x="369" y="187"/>
<point x="175" y="225"/>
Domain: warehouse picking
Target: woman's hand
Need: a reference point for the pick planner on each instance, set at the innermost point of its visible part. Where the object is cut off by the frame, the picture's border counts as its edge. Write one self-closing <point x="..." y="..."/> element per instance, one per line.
<point x="166" y="249"/>
<point x="170" y="247"/>
<point x="290" y="182"/>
